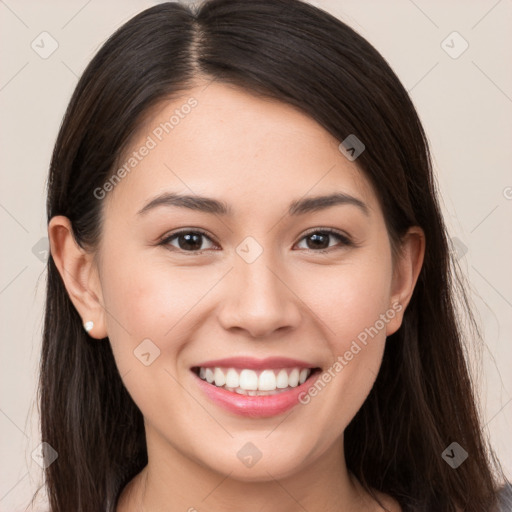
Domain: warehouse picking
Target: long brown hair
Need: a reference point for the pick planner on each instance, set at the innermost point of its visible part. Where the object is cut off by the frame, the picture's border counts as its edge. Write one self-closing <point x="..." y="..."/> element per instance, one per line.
<point x="422" y="400"/>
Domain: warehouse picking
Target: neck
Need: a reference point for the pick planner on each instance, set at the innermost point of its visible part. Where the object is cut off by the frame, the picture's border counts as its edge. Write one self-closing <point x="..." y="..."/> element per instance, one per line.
<point x="175" y="481"/>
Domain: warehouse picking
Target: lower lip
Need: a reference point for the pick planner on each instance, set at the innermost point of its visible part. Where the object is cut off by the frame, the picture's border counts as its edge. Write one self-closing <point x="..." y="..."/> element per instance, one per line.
<point x="255" y="406"/>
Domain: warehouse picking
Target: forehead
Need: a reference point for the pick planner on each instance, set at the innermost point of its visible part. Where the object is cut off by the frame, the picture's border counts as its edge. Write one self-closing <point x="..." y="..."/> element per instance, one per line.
<point x="252" y="152"/>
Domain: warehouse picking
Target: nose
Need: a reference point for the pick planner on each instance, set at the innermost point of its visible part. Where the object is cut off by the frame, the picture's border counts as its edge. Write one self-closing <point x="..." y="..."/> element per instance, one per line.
<point x="259" y="299"/>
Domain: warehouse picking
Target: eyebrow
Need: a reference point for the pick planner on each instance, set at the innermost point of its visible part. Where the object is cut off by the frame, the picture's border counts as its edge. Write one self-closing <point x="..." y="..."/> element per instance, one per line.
<point x="216" y="207"/>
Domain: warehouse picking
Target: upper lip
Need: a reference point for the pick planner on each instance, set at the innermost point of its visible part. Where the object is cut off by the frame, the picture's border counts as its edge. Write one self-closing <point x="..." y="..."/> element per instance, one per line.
<point x="252" y="363"/>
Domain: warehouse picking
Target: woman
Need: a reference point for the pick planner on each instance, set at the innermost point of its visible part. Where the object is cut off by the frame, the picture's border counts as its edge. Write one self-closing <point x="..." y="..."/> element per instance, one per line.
<point x="250" y="301"/>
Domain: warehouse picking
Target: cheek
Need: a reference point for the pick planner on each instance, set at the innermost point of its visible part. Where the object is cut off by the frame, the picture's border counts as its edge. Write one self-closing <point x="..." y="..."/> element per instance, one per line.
<point x="354" y="309"/>
<point x="351" y="300"/>
<point x="143" y="301"/>
<point x="148" y="298"/>
<point x="147" y="305"/>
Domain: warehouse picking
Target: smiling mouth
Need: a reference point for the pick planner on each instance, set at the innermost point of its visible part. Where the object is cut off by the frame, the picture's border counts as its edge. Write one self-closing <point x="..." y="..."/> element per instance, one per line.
<point x="255" y="382"/>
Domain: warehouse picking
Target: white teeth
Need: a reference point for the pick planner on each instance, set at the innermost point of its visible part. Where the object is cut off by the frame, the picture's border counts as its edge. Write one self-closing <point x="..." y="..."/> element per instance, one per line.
<point x="282" y="379"/>
<point x="252" y="393"/>
<point x="220" y="378"/>
<point x="267" y="381"/>
<point x="248" y="380"/>
<point x="232" y="378"/>
<point x="293" y="378"/>
<point x="252" y="383"/>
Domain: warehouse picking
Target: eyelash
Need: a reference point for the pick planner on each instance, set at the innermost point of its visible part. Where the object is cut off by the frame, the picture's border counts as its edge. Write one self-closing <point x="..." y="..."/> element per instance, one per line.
<point x="346" y="241"/>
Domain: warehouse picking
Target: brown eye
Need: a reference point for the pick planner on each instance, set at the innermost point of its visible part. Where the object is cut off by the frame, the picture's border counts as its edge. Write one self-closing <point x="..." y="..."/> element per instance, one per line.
<point x="187" y="241"/>
<point x="318" y="241"/>
<point x="191" y="241"/>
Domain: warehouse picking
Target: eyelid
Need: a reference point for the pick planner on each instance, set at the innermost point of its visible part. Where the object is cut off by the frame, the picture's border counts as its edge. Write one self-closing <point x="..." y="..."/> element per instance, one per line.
<point x="165" y="238"/>
<point x="331" y="231"/>
<point x="346" y="239"/>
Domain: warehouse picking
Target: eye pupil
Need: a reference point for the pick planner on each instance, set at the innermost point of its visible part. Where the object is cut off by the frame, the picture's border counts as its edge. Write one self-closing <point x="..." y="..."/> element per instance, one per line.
<point x="192" y="241"/>
<point x="318" y="237"/>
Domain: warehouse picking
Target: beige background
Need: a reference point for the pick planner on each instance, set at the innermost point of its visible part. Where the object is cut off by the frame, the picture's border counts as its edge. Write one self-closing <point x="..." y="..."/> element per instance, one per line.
<point x="465" y="104"/>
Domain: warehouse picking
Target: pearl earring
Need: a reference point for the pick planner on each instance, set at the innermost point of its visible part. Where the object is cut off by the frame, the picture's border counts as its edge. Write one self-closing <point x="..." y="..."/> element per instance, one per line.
<point x="88" y="325"/>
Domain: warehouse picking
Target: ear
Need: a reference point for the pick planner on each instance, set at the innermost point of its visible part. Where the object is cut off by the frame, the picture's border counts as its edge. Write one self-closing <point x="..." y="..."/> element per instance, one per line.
<point x="79" y="274"/>
<point x="405" y="275"/>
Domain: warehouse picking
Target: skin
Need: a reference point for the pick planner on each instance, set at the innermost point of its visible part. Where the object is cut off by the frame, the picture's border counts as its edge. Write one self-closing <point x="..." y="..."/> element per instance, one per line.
<point x="256" y="155"/>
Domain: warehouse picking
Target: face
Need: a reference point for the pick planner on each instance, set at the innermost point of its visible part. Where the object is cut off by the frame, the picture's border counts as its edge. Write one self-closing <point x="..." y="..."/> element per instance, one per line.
<point x="268" y="286"/>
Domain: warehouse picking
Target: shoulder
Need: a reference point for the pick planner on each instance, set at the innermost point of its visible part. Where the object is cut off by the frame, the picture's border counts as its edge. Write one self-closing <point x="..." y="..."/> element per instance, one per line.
<point x="504" y="501"/>
<point x="505" y="498"/>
